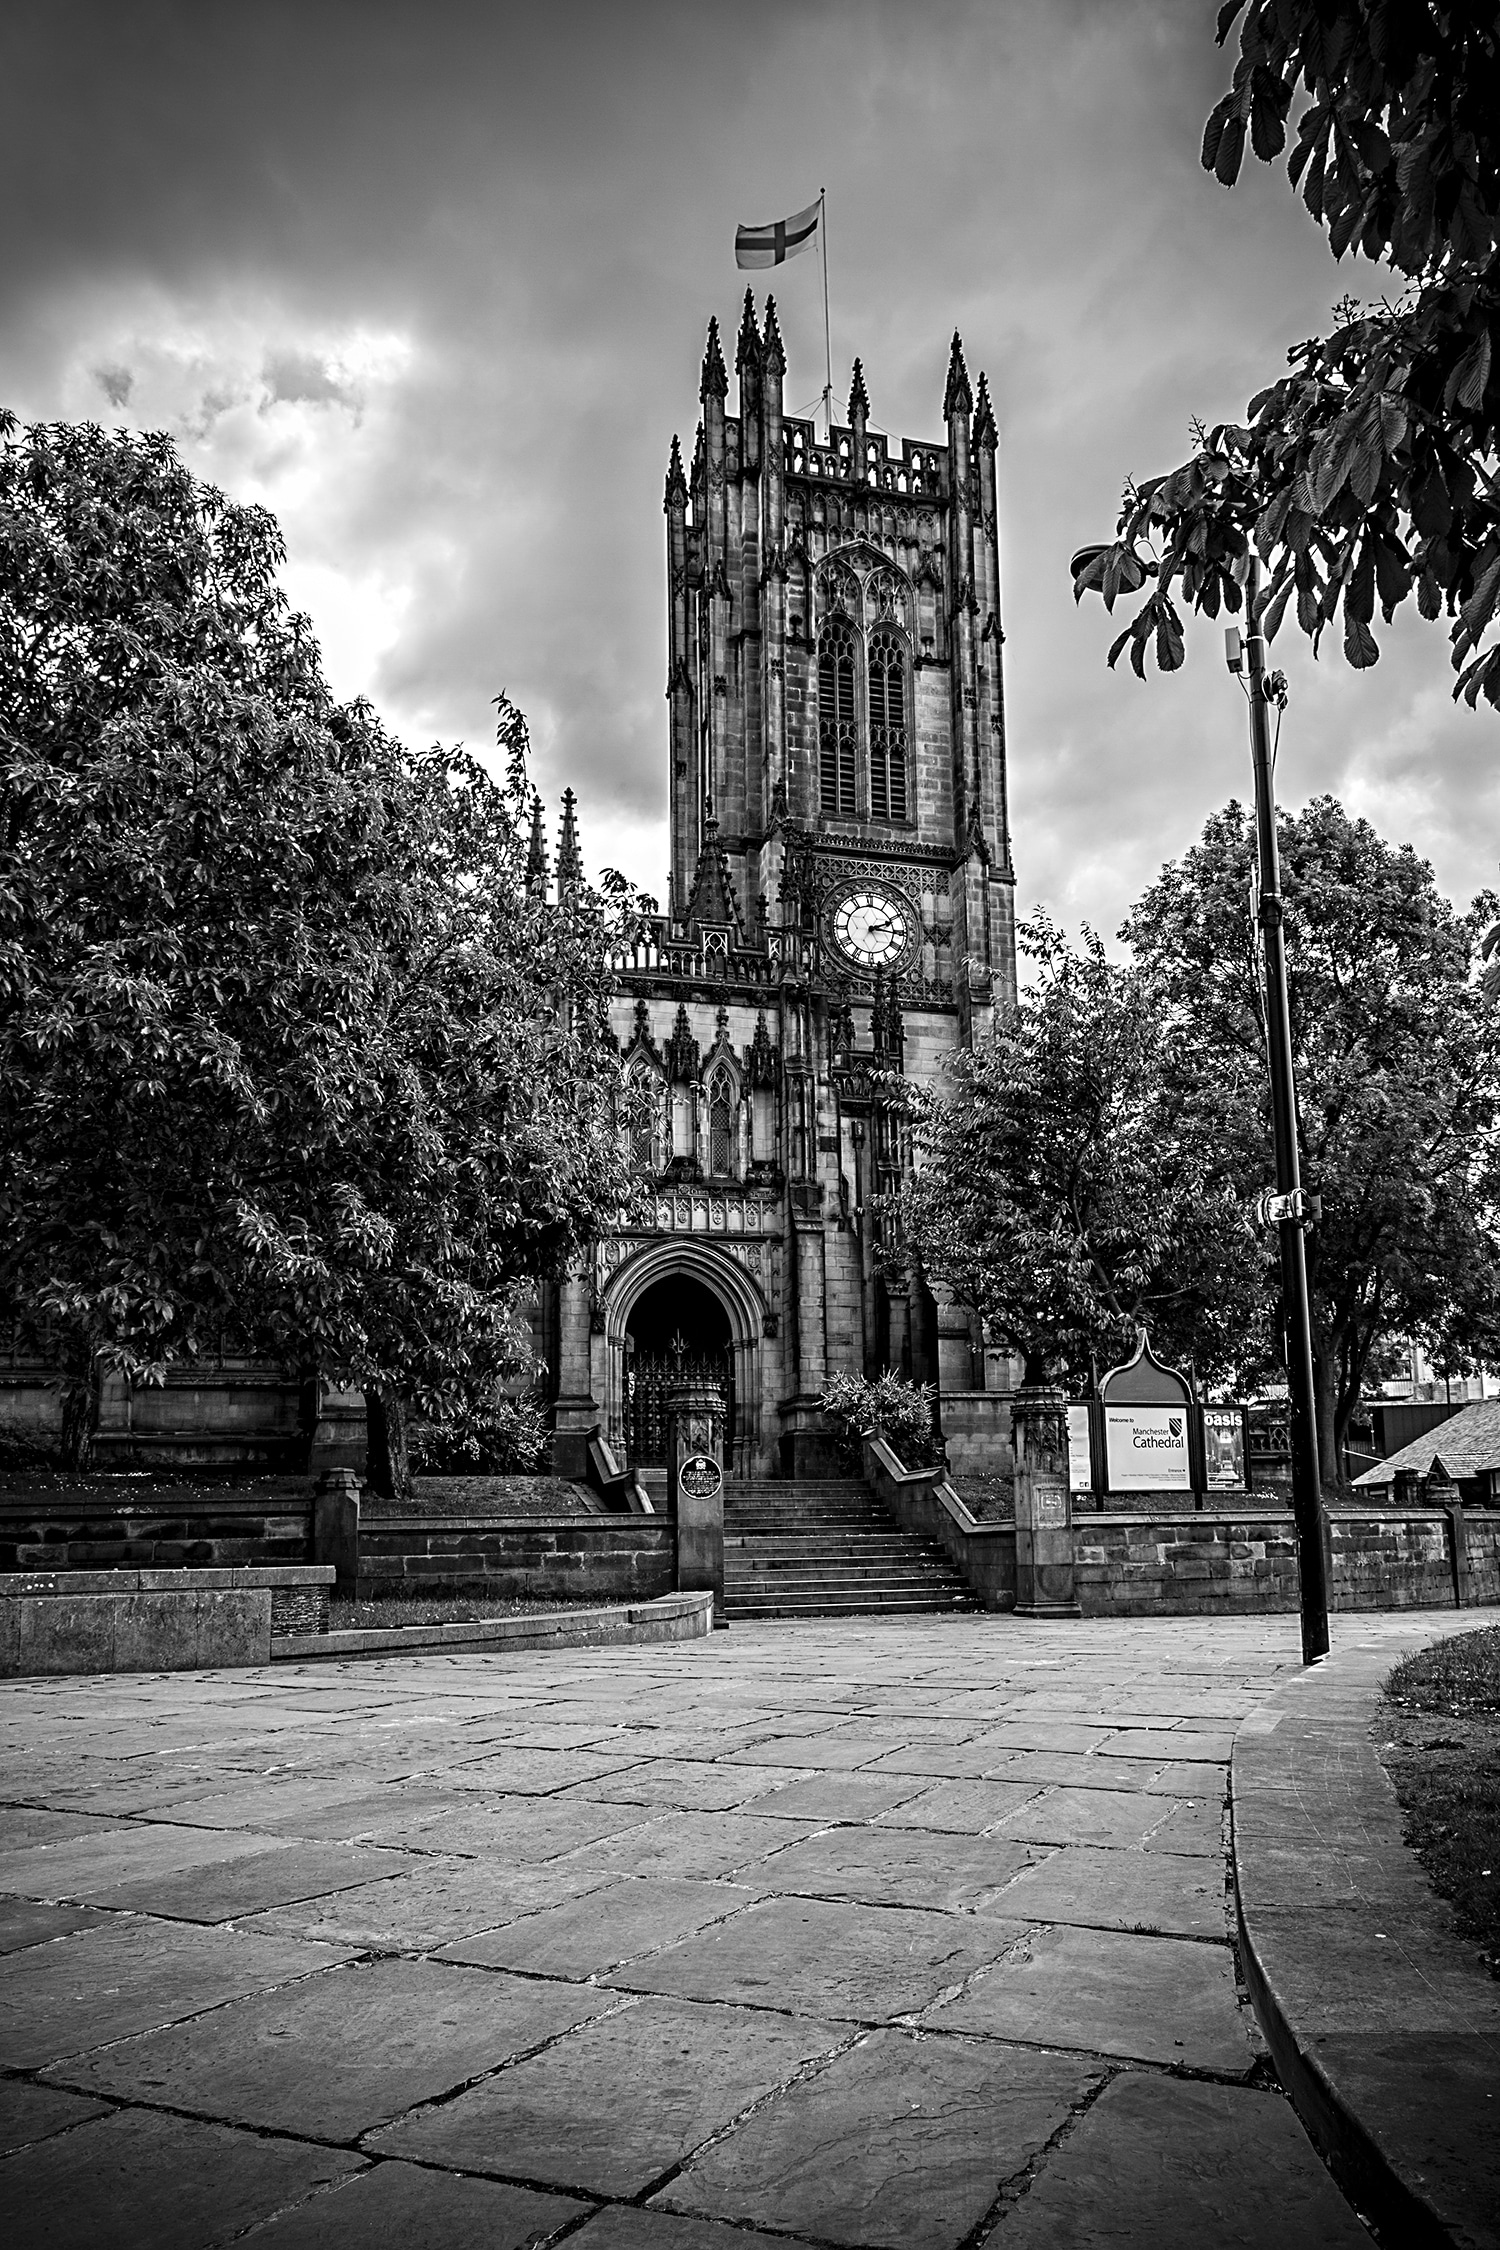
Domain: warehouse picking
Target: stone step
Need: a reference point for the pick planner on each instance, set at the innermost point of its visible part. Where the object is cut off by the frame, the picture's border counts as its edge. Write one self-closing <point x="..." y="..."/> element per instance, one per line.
<point x="828" y="1548"/>
<point x="797" y="1519"/>
<point x="839" y="1566"/>
<point x="832" y="1605"/>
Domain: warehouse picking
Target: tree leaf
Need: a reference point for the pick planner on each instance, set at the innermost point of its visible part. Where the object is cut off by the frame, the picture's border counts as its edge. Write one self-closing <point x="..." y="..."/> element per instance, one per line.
<point x="1230" y="151"/>
<point x="1359" y="642"/>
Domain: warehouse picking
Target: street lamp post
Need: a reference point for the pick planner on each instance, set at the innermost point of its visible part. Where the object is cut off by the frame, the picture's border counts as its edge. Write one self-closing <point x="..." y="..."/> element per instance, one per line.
<point x="1289" y="1206"/>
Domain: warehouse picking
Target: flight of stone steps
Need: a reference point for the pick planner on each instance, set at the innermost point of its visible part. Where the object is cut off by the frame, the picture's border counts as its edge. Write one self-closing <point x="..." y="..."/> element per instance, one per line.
<point x="828" y="1549"/>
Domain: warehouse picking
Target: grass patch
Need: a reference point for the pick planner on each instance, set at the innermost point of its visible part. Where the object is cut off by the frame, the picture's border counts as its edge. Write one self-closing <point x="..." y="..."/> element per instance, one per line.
<point x="1438" y="1734"/>
<point x="380" y="1613"/>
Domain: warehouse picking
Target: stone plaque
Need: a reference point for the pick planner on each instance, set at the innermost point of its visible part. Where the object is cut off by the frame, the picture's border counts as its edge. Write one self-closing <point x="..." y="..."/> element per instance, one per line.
<point x="1049" y="1503"/>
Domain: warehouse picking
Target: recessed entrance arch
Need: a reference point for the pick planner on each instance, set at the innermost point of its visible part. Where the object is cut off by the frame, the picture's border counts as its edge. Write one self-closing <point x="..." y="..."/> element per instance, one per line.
<point x="677" y="1331"/>
<point x="700" y="1293"/>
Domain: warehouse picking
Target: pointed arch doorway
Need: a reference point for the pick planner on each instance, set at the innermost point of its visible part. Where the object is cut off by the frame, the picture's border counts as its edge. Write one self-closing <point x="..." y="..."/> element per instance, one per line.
<point x="677" y="1330"/>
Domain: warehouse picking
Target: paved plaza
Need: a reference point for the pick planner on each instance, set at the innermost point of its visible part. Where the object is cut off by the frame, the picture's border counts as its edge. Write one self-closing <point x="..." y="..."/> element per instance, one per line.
<point x="907" y="1933"/>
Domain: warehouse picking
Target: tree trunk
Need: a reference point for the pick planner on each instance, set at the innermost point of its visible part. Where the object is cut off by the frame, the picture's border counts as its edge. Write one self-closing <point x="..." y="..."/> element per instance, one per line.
<point x="387" y="1464"/>
<point x="82" y="1389"/>
<point x="309" y="1399"/>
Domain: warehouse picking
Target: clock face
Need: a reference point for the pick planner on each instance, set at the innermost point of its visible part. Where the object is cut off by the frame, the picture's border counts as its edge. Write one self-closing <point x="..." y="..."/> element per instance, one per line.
<point x="872" y="926"/>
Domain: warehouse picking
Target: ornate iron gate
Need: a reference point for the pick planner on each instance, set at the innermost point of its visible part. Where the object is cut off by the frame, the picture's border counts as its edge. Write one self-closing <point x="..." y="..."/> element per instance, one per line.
<point x="648" y="1378"/>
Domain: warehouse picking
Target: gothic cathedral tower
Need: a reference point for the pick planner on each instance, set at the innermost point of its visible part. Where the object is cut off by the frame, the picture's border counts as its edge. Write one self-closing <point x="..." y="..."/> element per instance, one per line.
<point x="834" y="664"/>
<point x="840" y="908"/>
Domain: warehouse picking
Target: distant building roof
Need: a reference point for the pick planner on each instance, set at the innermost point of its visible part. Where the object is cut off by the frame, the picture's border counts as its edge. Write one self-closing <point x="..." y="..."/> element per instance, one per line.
<point x="1469" y="1442"/>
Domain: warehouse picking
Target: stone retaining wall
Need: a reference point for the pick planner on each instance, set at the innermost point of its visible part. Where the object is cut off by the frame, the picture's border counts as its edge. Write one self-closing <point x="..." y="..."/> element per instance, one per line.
<point x="1132" y="1565"/>
<point x="613" y="1558"/>
<point x="155" y="1528"/>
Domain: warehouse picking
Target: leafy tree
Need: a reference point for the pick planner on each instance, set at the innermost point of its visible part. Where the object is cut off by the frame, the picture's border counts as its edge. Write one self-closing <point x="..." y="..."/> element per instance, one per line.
<point x="287" y="1050"/>
<point x="1371" y="471"/>
<point x="1071" y="1182"/>
<point x="1397" y="1059"/>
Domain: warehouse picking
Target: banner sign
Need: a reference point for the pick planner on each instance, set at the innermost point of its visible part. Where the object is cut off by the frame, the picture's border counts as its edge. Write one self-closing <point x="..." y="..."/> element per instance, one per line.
<point x="1224" y="1447"/>
<point x="1080" y="1452"/>
<point x="1146" y="1448"/>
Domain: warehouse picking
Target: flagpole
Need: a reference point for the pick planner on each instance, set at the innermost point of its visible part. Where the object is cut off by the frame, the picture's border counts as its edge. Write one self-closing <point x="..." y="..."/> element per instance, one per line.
<point x="827" y="332"/>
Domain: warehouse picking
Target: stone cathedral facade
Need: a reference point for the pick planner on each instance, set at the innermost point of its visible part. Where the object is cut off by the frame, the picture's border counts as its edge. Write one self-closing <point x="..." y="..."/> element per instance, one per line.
<point x="840" y="906"/>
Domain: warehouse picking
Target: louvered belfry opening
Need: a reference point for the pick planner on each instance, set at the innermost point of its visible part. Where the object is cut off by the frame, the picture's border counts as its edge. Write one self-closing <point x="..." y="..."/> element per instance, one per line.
<point x="678" y="1333"/>
<point x="887" y="726"/>
<point x="837" y="724"/>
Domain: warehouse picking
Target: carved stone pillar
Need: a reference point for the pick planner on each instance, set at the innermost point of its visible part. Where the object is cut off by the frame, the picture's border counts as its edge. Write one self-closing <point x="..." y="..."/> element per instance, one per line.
<point x="696" y="1414"/>
<point x="1044" y="1525"/>
<point x="576" y="1415"/>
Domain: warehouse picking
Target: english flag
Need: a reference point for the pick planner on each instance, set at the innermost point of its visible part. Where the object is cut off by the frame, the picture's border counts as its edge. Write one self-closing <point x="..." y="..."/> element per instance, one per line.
<point x="772" y="245"/>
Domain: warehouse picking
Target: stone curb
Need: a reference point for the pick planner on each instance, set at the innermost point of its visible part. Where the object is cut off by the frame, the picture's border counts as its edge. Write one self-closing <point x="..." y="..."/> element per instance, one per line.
<point x="673" y="1617"/>
<point x="1383" y="2027"/>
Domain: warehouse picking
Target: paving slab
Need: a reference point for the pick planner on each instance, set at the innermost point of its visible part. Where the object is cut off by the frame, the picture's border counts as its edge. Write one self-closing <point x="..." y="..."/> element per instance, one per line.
<point x="618" y="2227"/>
<point x="519" y="1829"/>
<point x="626" y="1921"/>
<point x="690" y="1785"/>
<point x="342" y="2053"/>
<point x="1163" y="2164"/>
<point x="136" y="2181"/>
<point x="705" y="1844"/>
<point x="31" y="2113"/>
<point x="436" y="1901"/>
<point x="1175" y="1892"/>
<point x="27" y="1826"/>
<point x="901" y="2140"/>
<point x="825" y="1797"/>
<point x="1116" y="1817"/>
<point x="826" y="1957"/>
<point x="962" y="1808"/>
<point x="25" y="1921"/>
<point x="252" y="1881"/>
<point x="95" y="1866"/>
<point x="129" y="1975"/>
<point x="531" y="1773"/>
<point x="622" y="2102"/>
<point x="906" y="1867"/>
<point x="392" y="2206"/>
<point x="1110" y="1992"/>
<point x="1179" y="1744"/>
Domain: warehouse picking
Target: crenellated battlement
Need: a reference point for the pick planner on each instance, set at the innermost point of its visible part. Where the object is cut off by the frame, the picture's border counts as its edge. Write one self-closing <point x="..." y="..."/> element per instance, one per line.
<point x="903" y="465"/>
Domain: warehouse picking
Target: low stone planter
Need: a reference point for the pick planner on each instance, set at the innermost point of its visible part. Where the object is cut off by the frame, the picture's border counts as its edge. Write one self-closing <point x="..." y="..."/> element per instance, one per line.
<point x="155" y="1620"/>
<point x="675" y="1617"/>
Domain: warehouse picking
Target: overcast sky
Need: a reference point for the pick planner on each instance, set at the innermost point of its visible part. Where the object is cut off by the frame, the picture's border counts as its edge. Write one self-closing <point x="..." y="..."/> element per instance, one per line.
<point x="431" y="281"/>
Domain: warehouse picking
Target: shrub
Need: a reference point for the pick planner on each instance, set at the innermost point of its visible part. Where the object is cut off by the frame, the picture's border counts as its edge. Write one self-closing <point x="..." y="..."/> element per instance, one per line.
<point x="890" y="1407"/>
<point x="504" y="1437"/>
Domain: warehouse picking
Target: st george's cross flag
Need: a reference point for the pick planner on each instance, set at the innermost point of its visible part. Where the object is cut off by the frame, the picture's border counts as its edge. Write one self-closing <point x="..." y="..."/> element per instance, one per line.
<point x="772" y="245"/>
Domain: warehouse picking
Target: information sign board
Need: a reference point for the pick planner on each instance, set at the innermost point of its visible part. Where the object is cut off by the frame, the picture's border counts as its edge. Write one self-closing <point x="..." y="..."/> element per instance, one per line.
<point x="1146" y="1448"/>
<point x="1080" y="1452"/>
<point x="1224" y="1448"/>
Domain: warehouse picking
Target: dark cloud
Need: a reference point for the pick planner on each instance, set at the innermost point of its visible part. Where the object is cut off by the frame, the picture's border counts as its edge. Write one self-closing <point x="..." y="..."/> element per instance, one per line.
<point x="432" y="282"/>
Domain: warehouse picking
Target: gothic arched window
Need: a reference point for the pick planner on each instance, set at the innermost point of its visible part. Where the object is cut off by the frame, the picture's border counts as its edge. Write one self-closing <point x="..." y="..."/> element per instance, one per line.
<point x="888" y="753"/>
<point x="837" y="726"/>
<point x="721" y="1106"/>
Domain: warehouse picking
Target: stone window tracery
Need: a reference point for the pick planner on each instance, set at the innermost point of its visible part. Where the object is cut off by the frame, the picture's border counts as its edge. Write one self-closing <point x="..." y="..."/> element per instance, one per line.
<point x="888" y="734"/>
<point x="723" y="1098"/>
<point x="837" y="725"/>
